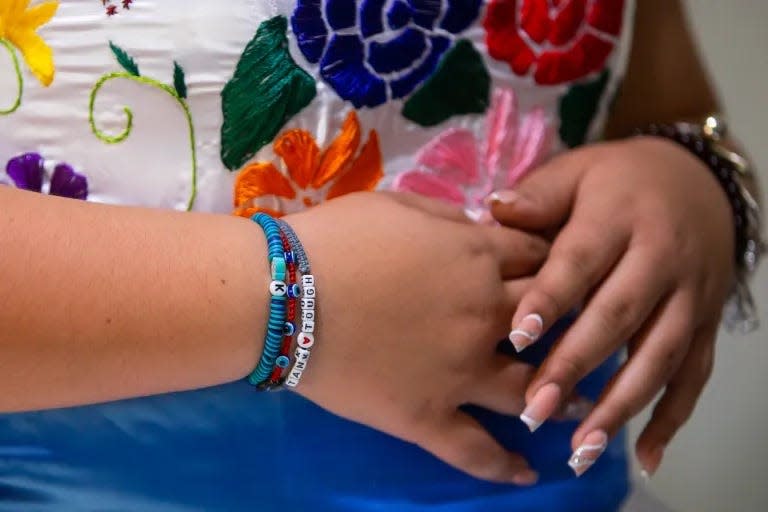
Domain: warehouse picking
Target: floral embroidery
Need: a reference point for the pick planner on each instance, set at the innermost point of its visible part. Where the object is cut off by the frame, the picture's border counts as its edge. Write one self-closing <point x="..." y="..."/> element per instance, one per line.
<point x="443" y="96"/>
<point x="18" y="25"/>
<point x="370" y="51"/>
<point x="111" y="8"/>
<point x="313" y="176"/>
<point x="579" y="107"/>
<point x="178" y="92"/>
<point x="562" y="40"/>
<point x="453" y="168"/>
<point x="28" y="172"/>
<point x="266" y="90"/>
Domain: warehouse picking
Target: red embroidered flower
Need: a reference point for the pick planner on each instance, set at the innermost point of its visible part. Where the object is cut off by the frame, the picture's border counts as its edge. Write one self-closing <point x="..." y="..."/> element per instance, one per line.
<point x="563" y="40"/>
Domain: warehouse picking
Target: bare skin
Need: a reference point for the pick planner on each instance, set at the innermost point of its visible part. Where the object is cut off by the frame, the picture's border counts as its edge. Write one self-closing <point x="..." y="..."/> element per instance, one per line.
<point x="129" y="302"/>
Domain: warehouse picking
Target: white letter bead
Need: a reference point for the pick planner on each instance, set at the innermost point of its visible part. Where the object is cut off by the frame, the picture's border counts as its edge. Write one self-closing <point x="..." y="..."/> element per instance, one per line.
<point x="308" y="280"/>
<point x="302" y="354"/>
<point x="291" y="382"/>
<point x="307" y="314"/>
<point x="307" y="303"/>
<point x="309" y="291"/>
<point x="305" y="340"/>
<point x="308" y="326"/>
<point x="278" y="288"/>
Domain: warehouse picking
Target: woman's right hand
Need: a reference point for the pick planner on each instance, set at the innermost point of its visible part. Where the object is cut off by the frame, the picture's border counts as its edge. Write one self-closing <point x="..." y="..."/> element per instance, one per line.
<point x="412" y="300"/>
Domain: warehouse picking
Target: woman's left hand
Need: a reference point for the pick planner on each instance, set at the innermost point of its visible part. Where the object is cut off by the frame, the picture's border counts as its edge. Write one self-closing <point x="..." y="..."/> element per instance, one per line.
<point x="644" y="241"/>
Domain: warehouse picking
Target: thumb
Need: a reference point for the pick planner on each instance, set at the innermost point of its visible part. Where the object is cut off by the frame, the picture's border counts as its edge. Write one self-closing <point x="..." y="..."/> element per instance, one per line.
<point x="543" y="200"/>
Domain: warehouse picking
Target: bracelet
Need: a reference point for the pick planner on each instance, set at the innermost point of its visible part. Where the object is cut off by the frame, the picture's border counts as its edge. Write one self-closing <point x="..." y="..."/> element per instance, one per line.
<point x="294" y="292"/>
<point x="306" y="338"/>
<point x="277" y="304"/>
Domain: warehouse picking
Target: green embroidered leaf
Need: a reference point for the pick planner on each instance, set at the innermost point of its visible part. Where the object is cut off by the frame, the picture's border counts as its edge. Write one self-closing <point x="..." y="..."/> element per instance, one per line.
<point x="179" y="82"/>
<point x="125" y="60"/>
<point x="267" y="89"/>
<point x="578" y="109"/>
<point x="460" y="85"/>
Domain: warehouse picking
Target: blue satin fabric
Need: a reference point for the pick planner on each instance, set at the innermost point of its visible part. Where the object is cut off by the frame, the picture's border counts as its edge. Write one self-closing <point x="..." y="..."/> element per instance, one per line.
<point x="229" y="448"/>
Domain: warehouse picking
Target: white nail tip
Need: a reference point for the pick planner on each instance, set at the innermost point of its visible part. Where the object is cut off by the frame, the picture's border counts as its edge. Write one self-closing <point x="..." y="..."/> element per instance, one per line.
<point x="533" y="425"/>
<point x="586" y="455"/>
<point x="536" y="317"/>
<point x="645" y="476"/>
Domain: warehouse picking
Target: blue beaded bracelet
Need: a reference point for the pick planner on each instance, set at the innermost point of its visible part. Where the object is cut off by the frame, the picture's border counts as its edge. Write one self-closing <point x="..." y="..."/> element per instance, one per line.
<point x="277" y="304"/>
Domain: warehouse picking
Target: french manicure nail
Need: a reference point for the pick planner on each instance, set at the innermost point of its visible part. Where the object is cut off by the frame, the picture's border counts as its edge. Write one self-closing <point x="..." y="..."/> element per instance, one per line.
<point x="525" y="477"/>
<point x="543" y="404"/>
<point x="527" y="332"/>
<point x="501" y="196"/>
<point x="590" y="450"/>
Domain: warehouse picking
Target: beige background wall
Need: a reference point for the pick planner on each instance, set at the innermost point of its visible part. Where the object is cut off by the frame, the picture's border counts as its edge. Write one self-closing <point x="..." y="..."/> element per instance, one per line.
<point x="719" y="463"/>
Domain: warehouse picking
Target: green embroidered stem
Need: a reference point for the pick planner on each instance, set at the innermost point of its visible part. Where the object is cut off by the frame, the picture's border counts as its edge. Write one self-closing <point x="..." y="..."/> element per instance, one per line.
<point x="120" y="137"/>
<point x="19" y="78"/>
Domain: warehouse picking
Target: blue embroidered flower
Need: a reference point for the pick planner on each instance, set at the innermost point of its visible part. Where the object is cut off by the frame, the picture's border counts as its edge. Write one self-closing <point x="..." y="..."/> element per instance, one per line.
<point x="370" y="51"/>
<point x="28" y="172"/>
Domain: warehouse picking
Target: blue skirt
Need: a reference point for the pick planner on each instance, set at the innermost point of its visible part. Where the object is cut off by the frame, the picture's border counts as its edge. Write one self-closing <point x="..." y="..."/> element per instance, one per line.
<point x="230" y="448"/>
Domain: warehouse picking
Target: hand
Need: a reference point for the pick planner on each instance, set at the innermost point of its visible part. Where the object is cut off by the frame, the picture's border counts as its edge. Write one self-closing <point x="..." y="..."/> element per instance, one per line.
<point x="412" y="300"/>
<point x="646" y="243"/>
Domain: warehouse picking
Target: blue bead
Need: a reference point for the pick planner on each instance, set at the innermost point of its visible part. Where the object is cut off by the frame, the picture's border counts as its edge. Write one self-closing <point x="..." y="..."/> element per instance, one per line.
<point x="288" y="256"/>
<point x="282" y="362"/>
<point x="294" y="291"/>
<point x="288" y="329"/>
<point x="278" y="269"/>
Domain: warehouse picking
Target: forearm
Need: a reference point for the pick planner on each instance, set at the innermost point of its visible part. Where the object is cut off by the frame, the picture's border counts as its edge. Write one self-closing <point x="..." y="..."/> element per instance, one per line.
<point x="102" y="302"/>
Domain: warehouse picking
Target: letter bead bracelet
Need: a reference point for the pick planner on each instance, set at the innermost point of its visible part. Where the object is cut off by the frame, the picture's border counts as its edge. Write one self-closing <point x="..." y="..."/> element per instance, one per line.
<point x="286" y="256"/>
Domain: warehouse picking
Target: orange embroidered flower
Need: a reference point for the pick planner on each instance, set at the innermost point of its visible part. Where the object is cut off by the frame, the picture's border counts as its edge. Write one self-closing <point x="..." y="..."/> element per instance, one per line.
<point x="312" y="176"/>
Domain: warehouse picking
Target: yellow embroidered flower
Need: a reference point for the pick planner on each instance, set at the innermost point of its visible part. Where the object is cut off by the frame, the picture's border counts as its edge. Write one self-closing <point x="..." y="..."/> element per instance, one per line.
<point x="18" y="23"/>
<point x="313" y="176"/>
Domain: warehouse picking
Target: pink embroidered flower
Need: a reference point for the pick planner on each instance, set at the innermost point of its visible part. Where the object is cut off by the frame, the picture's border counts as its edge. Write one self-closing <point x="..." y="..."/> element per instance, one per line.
<point x="457" y="168"/>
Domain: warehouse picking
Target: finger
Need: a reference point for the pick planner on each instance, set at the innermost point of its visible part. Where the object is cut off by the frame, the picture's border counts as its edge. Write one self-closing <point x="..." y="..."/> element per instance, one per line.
<point x="515" y="290"/>
<point x="616" y="312"/>
<point x="462" y="442"/>
<point x="660" y="350"/>
<point x="428" y="205"/>
<point x="580" y="257"/>
<point x="520" y="254"/>
<point x="678" y="401"/>
<point x="543" y="200"/>
<point x="502" y="385"/>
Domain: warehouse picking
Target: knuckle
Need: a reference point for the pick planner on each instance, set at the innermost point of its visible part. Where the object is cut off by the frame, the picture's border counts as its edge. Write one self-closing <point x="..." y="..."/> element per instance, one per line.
<point x="546" y="302"/>
<point x="566" y="369"/>
<point x="618" y="315"/>
<point x="575" y="258"/>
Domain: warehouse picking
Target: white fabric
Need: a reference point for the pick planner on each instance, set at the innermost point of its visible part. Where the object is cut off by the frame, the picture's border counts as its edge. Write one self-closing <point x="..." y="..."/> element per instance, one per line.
<point x="152" y="167"/>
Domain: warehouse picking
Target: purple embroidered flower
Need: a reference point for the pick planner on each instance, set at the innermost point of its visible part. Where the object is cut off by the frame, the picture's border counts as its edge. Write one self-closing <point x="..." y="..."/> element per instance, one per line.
<point x="374" y="50"/>
<point x="28" y="172"/>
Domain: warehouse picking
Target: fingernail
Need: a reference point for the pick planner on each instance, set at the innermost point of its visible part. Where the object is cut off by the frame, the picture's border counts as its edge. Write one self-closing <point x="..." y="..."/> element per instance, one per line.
<point x="527" y="332"/>
<point x="526" y="477"/>
<point x="543" y="404"/>
<point x="656" y="455"/>
<point x="575" y="410"/>
<point x="590" y="450"/>
<point x="645" y="476"/>
<point x="501" y="196"/>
